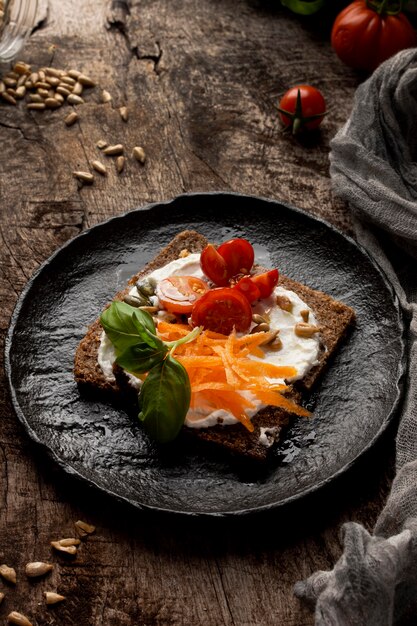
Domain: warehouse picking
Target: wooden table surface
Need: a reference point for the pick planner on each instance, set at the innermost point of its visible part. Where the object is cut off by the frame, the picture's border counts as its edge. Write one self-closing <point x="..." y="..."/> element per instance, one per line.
<point x="201" y="80"/>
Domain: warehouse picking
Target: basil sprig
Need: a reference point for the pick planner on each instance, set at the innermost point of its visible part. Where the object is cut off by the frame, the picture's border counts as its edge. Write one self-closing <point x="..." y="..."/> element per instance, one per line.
<point x="164" y="397"/>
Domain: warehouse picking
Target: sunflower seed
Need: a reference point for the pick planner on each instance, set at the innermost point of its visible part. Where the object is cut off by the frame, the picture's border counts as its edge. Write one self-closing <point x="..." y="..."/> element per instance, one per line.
<point x="34" y="77"/>
<point x="258" y="319"/>
<point x="68" y="81"/>
<point x="36" y="106"/>
<point x="52" y="80"/>
<point x="284" y="303"/>
<point x="9" y="82"/>
<point x="8" y="573"/>
<point x="69" y="541"/>
<point x="17" y="618"/>
<point x="63" y="91"/>
<point x="101" y="144"/>
<point x="305" y="314"/>
<point x="261" y="328"/>
<point x="105" y="96"/>
<point x="84" y="527"/>
<point x="113" y="150"/>
<point x="71" y="118"/>
<point x="22" y="80"/>
<point x="53" y="598"/>
<point x="271" y="337"/>
<point x="2" y="596"/>
<point x="99" y="167"/>
<point x="139" y="154"/>
<point x="77" y="89"/>
<point x="52" y="103"/>
<point x="35" y="97"/>
<point x="2" y="87"/>
<point x="42" y="84"/>
<point x="66" y="549"/>
<point x="52" y="71"/>
<point x="74" y="74"/>
<point x="21" y="68"/>
<point x="73" y="99"/>
<point x="43" y="92"/>
<point x="37" y="568"/>
<point x="20" y="92"/>
<point x="59" y="98"/>
<point x="85" y="80"/>
<point x="6" y="96"/>
<point x="120" y="163"/>
<point x="42" y="75"/>
<point x="88" y="178"/>
<point x="124" y="113"/>
<point x="306" y="330"/>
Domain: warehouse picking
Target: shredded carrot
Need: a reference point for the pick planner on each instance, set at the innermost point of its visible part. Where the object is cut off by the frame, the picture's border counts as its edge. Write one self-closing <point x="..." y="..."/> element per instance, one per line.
<point x="221" y="367"/>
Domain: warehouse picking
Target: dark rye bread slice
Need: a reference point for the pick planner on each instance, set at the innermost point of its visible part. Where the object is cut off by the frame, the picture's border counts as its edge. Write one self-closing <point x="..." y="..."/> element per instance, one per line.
<point x="334" y="318"/>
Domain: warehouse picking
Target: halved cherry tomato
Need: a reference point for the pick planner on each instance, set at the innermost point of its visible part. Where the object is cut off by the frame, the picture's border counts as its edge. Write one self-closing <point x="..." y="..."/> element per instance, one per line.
<point x="214" y="266"/>
<point x="249" y="289"/>
<point x="239" y="256"/>
<point x="178" y="294"/>
<point x="266" y="282"/>
<point x="221" y="310"/>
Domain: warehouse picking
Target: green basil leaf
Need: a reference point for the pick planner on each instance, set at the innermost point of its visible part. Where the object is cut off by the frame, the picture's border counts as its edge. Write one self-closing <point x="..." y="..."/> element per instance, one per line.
<point x="303" y="7"/>
<point x="141" y="358"/>
<point x="164" y="400"/>
<point x="126" y="326"/>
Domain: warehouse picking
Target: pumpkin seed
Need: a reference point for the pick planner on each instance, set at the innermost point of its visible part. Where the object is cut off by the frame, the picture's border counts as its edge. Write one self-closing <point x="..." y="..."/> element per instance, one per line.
<point x="136" y="301"/>
<point x="146" y="286"/>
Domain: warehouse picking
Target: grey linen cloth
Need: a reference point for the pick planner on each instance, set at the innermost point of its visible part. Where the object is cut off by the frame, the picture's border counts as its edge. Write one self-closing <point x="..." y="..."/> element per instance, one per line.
<point x="373" y="165"/>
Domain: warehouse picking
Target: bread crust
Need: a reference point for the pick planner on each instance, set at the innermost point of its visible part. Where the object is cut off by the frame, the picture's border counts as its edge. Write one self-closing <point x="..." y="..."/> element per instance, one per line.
<point x="334" y="318"/>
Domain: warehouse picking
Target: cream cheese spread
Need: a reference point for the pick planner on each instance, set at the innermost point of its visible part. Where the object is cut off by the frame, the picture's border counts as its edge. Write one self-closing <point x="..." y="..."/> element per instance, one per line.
<point x="298" y="352"/>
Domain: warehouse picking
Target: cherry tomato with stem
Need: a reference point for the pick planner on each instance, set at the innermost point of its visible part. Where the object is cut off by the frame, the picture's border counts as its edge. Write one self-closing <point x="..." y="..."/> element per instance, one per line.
<point x="302" y="107"/>
<point x="222" y="310"/>
<point x="178" y="294"/>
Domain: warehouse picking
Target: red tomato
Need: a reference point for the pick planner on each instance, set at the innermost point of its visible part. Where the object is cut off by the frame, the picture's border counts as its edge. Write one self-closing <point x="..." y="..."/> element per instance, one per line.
<point x="238" y="254"/>
<point x="363" y="38"/>
<point x="249" y="289"/>
<point x="302" y="107"/>
<point x="266" y="282"/>
<point x="214" y="266"/>
<point x="221" y="310"/>
<point x="178" y="294"/>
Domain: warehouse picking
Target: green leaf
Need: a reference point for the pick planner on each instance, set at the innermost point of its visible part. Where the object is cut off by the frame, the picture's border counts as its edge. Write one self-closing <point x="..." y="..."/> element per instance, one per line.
<point x="303" y="7"/>
<point x="141" y="357"/>
<point x="164" y="400"/>
<point x="126" y="326"/>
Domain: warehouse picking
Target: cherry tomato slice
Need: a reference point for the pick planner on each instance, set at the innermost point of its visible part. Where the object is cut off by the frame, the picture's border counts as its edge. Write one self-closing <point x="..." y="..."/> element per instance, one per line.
<point x="214" y="266"/>
<point x="221" y="310"/>
<point x="266" y="282"/>
<point x="239" y="256"/>
<point x="178" y="294"/>
<point x="249" y="289"/>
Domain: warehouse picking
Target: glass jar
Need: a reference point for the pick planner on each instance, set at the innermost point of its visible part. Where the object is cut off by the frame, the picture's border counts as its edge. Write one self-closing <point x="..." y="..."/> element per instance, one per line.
<point x="17" y="18"/>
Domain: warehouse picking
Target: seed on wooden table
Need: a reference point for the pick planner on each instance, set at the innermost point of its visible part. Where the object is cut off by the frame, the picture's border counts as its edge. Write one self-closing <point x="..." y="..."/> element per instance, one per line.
<point x="18" y="618"/>
<point x="99" y="167"/>
<point x="42" y="84"/>
<point x="74" y="74"/>
<point x="73" y="99"/>
<point x="36" y="106"/>
<point x="11" y="92"/>
<point x="113" y="150"/>
<point x="59" y="98"/>
<point x="20" y="92"/>
<point x="2" y="87"/>
<point x="42" y="75"/>
<point x="71" y="118"/>
<point x="106" y="96"/>
<point x="68" y="81"/>
<point x="83" y="527"/>
<point x="69" y="541"/>
<point x="63" y="91"/>
<point x="124" y="113"/>
<point x="35" y="97"/>
<point x="2" y="596"/>
<point x="258" y="319"/>
<point x="6" y="96"/>
<point x="77" y="89"/>
<point x="22" y="80"/>
<point x="101" y="144"/>
<point x="88" y="178"/>
<point x="52" y="103"/>
<point x="84" y="80"/>
<point x="37" y="568"/>
<point x="8" y="573"/>
<point x="53" y="80"/>
<point x="13" y="75"/>
<point x="139" y="154"/>
<point x="52" y="71"/>
<point x="53" y="598"/>
<point x="10" y="82"/>
<point x="43" y="92"/>
<point x="120" y="163"/>
<point x="34" y="77"/>
<point x="21" y="68"/>
<point x="284" y="303"/>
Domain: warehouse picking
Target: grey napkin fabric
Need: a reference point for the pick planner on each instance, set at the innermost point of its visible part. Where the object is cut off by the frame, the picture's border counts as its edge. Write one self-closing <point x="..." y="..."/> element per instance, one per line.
<point x="373" y="165"/>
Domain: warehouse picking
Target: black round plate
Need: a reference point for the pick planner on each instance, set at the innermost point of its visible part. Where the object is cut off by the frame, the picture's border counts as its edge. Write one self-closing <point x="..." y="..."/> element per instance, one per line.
<point x="101" y="444"/>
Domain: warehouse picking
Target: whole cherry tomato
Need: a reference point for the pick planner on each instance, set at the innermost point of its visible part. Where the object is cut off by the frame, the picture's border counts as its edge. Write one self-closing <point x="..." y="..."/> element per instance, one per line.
<point x="266" y="282"/>
<point x="232" y="257"/>
<point x="366" y="33"/>
<point x="302" y="108"/>
<point x="221" y="310"/>
<point x="178" y="294"/>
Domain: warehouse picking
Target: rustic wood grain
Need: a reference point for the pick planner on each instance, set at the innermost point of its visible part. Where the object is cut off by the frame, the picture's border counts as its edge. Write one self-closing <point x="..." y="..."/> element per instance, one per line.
<point x="201" y="80"/>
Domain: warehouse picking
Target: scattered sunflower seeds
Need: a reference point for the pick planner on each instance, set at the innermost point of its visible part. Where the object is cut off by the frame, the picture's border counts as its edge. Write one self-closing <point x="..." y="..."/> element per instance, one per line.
<point x="105" y="95"/>
<point x="101" y="144"/>
<point x="53" y="598"/>
<point x="84" y="80"/>
<point x="17" y="618"/>
<point x="56" y="544"/>
<point x="83" y="528"/>
<point x="37" y="568"/>
<point x="69" y="541"/>
<point x="113" y="150"/>
<point x="73" y="99"/>
<point x="139" y="154"/>
<point x="71" y="118"/>
<point x="2" y="596"/>
<point x="120" y="163"/>
<point x="8" y="573"/>
<point x="84" y="177"/>
<point x="124" y="113"/>
<point x="99" y="167"/>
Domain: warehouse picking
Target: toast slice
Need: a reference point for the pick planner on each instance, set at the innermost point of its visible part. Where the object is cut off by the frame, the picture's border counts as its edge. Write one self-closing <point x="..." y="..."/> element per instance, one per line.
<point x="334" y="317"/>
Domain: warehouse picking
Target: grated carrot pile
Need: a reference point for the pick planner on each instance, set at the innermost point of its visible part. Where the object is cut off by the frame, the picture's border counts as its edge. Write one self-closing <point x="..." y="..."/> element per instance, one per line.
<point x="220" y="368"/>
